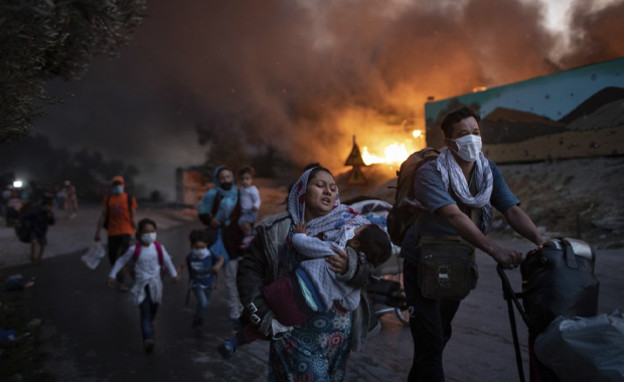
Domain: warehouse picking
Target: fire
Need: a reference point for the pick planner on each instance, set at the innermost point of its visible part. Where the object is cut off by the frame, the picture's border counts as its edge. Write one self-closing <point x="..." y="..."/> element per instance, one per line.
<point x="394" y="153"/>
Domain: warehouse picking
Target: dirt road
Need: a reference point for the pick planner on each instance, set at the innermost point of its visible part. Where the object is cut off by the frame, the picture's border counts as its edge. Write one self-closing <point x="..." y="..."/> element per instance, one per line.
<point x="91" y="332"/>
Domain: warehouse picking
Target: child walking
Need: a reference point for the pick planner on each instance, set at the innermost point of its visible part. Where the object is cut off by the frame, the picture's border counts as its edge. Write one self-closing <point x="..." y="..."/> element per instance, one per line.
<point x="314" y="287"/>
<point x="202" y="267"/>
<point x="149" y="259"/>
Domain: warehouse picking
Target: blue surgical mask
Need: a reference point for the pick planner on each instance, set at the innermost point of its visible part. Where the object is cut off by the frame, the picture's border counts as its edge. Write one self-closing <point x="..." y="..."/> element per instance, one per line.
<point x="118" y="189"/>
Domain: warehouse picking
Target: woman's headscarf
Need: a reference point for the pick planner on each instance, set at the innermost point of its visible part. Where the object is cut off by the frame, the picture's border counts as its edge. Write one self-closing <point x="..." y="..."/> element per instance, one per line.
<point x="228" y="198"/>
<point x="233" y="191"/>
<point x="336" y="226"/>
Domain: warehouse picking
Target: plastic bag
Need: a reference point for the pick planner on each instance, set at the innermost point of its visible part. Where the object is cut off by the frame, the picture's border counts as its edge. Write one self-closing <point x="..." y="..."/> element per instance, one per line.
<point x="94" y="255"/>
<point x="584" y="349"/>
<point x="218" y="249"/>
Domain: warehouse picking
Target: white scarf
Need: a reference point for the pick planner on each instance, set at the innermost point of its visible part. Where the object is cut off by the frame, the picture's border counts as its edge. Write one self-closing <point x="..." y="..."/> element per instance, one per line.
<point x="453" y="176"/>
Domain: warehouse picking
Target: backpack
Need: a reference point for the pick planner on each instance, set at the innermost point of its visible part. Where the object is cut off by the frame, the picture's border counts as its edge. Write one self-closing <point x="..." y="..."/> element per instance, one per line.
<point x="161" y="260"/>
<point x="558" y="279"/>
<point x="403" y="214"/>
<point x="129" y="199"/>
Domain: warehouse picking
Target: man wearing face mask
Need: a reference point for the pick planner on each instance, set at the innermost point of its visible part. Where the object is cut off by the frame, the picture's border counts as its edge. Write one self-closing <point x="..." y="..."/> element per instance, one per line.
<point x="220" y="209"/>
<point x="457" y="192"/>
<point x="117" y="217"/>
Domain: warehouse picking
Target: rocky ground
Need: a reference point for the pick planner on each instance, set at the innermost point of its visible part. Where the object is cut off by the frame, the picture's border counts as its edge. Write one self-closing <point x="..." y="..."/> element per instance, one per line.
<point x="581" y="198"/>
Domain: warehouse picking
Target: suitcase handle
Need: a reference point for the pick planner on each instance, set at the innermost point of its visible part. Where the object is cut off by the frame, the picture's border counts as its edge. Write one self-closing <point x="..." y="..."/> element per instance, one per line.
<point x="509" y="295"/>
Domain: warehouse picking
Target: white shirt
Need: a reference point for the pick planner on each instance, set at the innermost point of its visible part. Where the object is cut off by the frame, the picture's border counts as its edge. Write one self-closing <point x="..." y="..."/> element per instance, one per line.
<point x="249" y="198"/>
<point x="147" y="271"/>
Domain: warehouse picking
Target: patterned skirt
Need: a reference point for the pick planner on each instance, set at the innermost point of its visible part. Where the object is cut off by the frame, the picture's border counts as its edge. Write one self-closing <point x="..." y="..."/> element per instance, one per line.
<point x="316" y="350"/>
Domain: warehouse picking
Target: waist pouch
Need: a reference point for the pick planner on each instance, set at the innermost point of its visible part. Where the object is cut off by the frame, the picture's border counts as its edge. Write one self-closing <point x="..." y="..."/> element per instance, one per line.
<point x="446" y="268"/>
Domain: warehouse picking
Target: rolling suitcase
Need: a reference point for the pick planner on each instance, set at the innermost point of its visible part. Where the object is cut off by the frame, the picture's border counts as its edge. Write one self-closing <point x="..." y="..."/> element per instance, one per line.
<point x="557" y="280"/>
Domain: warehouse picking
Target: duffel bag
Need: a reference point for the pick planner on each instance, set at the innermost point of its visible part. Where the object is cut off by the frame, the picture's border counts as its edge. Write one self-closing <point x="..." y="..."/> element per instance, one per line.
<point x="558" y="280"/>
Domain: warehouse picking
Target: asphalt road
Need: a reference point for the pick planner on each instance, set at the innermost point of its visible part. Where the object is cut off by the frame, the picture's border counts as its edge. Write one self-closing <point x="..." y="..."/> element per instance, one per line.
<point x="91" y="332"/>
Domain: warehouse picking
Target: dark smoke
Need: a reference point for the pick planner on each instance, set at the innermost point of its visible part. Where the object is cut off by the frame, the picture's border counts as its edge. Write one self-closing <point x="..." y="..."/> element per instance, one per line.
<point x="298" y="78"/>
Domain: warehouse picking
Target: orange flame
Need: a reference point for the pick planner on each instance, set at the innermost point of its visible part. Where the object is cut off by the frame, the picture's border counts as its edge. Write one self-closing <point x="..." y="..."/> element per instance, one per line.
<point x="394" y="153"/>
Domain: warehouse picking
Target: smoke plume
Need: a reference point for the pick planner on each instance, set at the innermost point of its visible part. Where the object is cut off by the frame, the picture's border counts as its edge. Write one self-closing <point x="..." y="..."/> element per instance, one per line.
<point x="302" y="77"/>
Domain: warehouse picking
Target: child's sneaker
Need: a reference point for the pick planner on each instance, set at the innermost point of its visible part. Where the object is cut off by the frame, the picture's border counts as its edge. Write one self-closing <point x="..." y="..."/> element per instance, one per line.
<point x="227" y="348"/>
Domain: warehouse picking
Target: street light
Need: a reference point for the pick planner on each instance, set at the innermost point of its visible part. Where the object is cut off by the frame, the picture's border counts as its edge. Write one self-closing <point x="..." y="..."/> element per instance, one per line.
<point x="17" y="183"/>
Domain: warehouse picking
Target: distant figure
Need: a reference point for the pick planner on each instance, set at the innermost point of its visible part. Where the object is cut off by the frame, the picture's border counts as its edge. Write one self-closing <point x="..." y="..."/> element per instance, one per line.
<point x="4" y="198"/>
<point x="38" y="217"/>
<point x="202" y="267"/>
<point x="71" y="199"/>
<point x="61" y="199"/>
<point x="13" y="208"/>
<point x="26" y="194"/>
<point x="149" y="260"/>
<point x="118" y="211"/>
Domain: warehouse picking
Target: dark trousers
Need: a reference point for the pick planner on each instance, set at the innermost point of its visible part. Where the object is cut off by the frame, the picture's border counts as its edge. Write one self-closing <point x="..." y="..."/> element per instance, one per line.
<point x="430" y="324"/>
<point x="117" y="246"/>
<point x="148" y="313"/>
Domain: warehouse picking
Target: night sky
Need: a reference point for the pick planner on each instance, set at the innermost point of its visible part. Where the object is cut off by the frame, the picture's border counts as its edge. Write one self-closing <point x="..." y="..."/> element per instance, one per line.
<point x="306" y="75"/>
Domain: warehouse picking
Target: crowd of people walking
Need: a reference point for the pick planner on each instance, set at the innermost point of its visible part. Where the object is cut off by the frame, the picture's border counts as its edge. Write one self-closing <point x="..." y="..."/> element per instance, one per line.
<point x="298" y="279"/>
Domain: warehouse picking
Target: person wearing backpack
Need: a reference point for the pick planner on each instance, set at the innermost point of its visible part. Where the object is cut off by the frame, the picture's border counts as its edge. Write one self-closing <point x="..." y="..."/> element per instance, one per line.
<point x="455" y="193"/>
<point x="117" y="217"/>
<point x="149" y="261"/>
<point x="34" y="221"/>
<point x="220" y="209"/>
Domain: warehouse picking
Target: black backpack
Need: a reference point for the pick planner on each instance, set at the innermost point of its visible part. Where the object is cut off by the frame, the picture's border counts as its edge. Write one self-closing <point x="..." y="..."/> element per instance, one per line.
<point x="403" y="214"/>
<point x="558" y="279"/>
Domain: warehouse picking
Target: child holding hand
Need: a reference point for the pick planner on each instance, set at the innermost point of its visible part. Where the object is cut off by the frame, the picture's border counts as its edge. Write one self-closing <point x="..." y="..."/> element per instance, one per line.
<point x="202" y="267"/>
<point x="150" y="260"/>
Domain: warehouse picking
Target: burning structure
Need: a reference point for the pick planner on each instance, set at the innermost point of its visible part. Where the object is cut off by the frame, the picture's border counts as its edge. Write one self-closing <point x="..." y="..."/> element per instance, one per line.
<point x="191" y="184"/>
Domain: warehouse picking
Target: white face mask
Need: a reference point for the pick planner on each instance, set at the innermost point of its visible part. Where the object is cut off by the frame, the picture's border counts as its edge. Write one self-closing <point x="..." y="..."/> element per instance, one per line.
<point x="468" y="147"/>
<point x="118" y="189"/>
<point x="148" y="238"/>
<point x="201" y="252"/>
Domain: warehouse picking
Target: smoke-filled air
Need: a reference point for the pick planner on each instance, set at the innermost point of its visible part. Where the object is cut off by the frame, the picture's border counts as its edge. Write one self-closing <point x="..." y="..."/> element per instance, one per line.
<point x="297" y="79"/>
